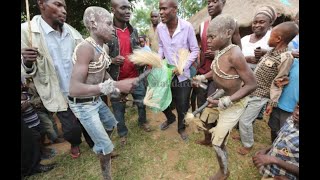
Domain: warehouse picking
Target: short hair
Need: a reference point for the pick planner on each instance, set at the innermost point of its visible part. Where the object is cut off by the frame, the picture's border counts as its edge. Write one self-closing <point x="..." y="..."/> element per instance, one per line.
<point x="95" y="13"/>
<point x="287" y="30"/>
<point x="223" y="22"/>
<point x="154" y="11"/>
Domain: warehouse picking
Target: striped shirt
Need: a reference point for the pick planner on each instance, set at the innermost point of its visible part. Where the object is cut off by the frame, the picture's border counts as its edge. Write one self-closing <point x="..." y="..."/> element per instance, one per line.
<point x="29" y="115"/>
<point x="285" y="147"/>
<point x="274" y="64"/>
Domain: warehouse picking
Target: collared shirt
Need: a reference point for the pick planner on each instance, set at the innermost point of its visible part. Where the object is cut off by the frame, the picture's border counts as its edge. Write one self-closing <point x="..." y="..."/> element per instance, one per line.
<point x="61" y="49"/>
<point x="274" y="64"/>
<point x="285" y="147"/>
<point x="183" y="37"/>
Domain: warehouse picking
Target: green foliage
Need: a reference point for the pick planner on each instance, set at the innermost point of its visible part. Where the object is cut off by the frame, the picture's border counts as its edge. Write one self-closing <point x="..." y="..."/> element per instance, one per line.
<point x="75" y="10"/>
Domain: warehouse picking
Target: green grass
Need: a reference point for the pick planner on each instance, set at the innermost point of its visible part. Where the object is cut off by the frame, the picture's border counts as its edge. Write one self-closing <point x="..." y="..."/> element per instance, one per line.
<point x="147" y="156"/>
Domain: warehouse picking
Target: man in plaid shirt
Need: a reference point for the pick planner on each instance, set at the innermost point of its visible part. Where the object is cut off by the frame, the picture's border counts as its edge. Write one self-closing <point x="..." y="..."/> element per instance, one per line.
<point x="282" y="158"/>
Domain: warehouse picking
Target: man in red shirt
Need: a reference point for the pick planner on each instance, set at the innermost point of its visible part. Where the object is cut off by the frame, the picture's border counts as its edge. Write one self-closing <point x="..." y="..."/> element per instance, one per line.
<point x="120" y="47"/>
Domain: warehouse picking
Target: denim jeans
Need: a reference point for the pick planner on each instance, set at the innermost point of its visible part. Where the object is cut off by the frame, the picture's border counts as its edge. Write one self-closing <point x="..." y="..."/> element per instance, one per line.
<point x="180" y="97"/>
<point x="96" y="118"/>
<point x="119" y="109"/>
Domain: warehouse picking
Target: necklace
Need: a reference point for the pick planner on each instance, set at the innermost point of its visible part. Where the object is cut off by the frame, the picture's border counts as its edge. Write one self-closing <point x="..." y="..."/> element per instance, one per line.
<point x="104" y="59"/>
<point x="215" y="65"/>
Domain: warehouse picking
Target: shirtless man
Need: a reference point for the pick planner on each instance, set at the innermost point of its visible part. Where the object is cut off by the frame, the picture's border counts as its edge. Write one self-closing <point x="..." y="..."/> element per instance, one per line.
<point x="90" y="63"/>
<point x="229" y="71"/>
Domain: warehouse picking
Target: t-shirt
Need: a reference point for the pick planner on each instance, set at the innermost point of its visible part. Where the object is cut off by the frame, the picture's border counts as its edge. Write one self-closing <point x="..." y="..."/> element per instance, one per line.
<point x="127" y="69"/>
<point x="248" y="47"/>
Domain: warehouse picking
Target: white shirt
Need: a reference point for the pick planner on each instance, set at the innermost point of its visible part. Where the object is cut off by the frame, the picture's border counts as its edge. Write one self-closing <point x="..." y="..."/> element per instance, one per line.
<point x="61" y="48"/>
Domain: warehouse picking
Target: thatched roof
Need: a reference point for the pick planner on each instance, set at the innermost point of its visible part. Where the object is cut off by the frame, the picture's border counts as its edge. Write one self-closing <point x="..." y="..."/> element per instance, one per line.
<point x="243" y="10"/>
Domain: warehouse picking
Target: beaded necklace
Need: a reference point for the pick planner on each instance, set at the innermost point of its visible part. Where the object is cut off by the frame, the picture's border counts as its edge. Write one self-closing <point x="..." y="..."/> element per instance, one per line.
<point x="215" y="64"/>
<point x="104" y="59"/>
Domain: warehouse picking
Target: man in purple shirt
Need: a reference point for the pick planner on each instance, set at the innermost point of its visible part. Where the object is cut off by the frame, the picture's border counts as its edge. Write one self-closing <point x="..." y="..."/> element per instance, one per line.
<point x="174" y="34"/>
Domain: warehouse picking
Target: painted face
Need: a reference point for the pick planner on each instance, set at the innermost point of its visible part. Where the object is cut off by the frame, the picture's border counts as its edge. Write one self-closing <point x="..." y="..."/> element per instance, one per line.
<point x="122" y="11"/>
<point x="105" y="29"/>
<point x="154" y="18"/>
<point x="167" y="11"/>
<point x="295" y="115"/>
<point x="275" y="37"/>
<point x="216" y="39"/>
<point x="260" y="25"/>
<point x="54" y="11"/>
<point x="215" y="7"/>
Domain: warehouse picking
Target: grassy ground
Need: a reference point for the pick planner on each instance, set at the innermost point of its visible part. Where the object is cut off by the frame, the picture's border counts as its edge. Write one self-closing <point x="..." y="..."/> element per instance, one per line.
<point x="159" y="155"/>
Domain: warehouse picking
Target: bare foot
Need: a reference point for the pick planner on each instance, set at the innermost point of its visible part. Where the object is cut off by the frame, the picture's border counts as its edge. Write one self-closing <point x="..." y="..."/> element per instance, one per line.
<point x="204" y="143"/>
<point x="236" y="137"/>
<point x="244" y="150"/>
<point x="220" y="176"/>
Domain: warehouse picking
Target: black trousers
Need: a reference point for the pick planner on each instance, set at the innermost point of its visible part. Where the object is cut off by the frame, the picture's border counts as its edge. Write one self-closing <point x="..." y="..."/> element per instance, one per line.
<point x="72" y="128"/>
<point x="30" y="150"/>
<point x="180" y="97"/>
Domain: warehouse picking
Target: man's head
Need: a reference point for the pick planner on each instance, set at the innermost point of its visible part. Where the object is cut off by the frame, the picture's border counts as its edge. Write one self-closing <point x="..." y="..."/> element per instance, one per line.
<point x="53" y="11"/>
<point x="215" y="7"/>
<point x="155" y="18"/>
<point x="142" y="41"/>
<point x="121" y="10"/>
<point x="220" y="32"/>
<point x="168" y="10"/>
<point x="98" y="21"/>
<point x="283" y="32"/>
<point x="295" y="116"/>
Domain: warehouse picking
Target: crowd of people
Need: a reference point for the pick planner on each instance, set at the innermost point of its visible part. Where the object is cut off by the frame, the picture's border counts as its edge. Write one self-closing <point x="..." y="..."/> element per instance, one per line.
<point x="65" y="75"/>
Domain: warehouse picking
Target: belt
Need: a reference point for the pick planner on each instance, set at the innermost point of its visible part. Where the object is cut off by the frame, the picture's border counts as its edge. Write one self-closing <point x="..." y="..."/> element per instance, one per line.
<point x="83" y="99"/>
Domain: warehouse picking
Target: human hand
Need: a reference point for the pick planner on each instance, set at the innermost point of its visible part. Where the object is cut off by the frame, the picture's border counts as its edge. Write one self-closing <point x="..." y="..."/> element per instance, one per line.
<point x="199" y="78"/>
<point x="29" y="55"/>
<point x="281" y="82"/>
<point x="251" y="59"/>
<point x="262" y="160"/>
<point x="258" y="52"/>
<point x="209" y="54"/>
<point x="261" y="152"/>
<point x="118" y="60"/>
<point x="126" y="85"/>
<point x="295" y="54"/>
<point x="268" y="110"/>
<point x="212" y="102"/>
<point x="25" y="105"/>
<point x="176" y="72"/>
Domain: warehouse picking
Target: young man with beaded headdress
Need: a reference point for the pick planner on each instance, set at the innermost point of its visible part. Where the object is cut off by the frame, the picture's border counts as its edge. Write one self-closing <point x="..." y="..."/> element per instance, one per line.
<point x="231" y="73"/>
<point x="89" y="79"/>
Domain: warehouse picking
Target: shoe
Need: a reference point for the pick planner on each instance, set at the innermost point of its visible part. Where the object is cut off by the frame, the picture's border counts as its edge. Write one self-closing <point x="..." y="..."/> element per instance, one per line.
<point x="123" y="140"/>
<point x="165" y="125"/>
<point x="184" y="136"/>
<point x="43" y="168"/>
<point x="145" y="127"/>
<point x="75" y="152"/>
<point x="244" y="150"/>
<point x="58" y="140"/>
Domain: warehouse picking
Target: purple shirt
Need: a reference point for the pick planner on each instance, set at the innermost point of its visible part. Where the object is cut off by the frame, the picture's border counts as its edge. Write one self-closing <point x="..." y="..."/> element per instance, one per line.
<point x="183" y="37"/>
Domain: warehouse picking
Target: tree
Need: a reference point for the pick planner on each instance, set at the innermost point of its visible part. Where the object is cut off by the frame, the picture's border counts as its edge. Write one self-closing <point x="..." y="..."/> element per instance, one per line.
<point x="75" y="9"/>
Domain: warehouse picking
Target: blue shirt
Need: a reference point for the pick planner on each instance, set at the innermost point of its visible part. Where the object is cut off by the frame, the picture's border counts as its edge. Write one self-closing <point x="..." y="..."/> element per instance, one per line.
<point x="61" y="48"/>
<point x="290" y="93"/>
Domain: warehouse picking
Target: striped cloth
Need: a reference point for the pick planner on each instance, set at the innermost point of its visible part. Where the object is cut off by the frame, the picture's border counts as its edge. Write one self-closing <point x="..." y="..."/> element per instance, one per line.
<point x="29" y="116"/>
<point x="285" y="147"/>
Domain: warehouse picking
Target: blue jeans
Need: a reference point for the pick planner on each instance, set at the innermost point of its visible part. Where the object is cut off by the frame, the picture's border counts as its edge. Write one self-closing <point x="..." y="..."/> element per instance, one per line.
<point x="96" y="118"/>
<point x="119" y="109"/>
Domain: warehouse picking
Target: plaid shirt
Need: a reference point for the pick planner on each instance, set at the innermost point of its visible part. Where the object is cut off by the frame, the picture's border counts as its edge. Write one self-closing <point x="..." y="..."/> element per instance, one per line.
<point x="285" y="147"/>
<point x="273" y="65"/>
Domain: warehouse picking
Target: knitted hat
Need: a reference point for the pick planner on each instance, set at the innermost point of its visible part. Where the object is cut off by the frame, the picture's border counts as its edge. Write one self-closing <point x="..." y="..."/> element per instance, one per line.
<point x="267" y="11"/>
